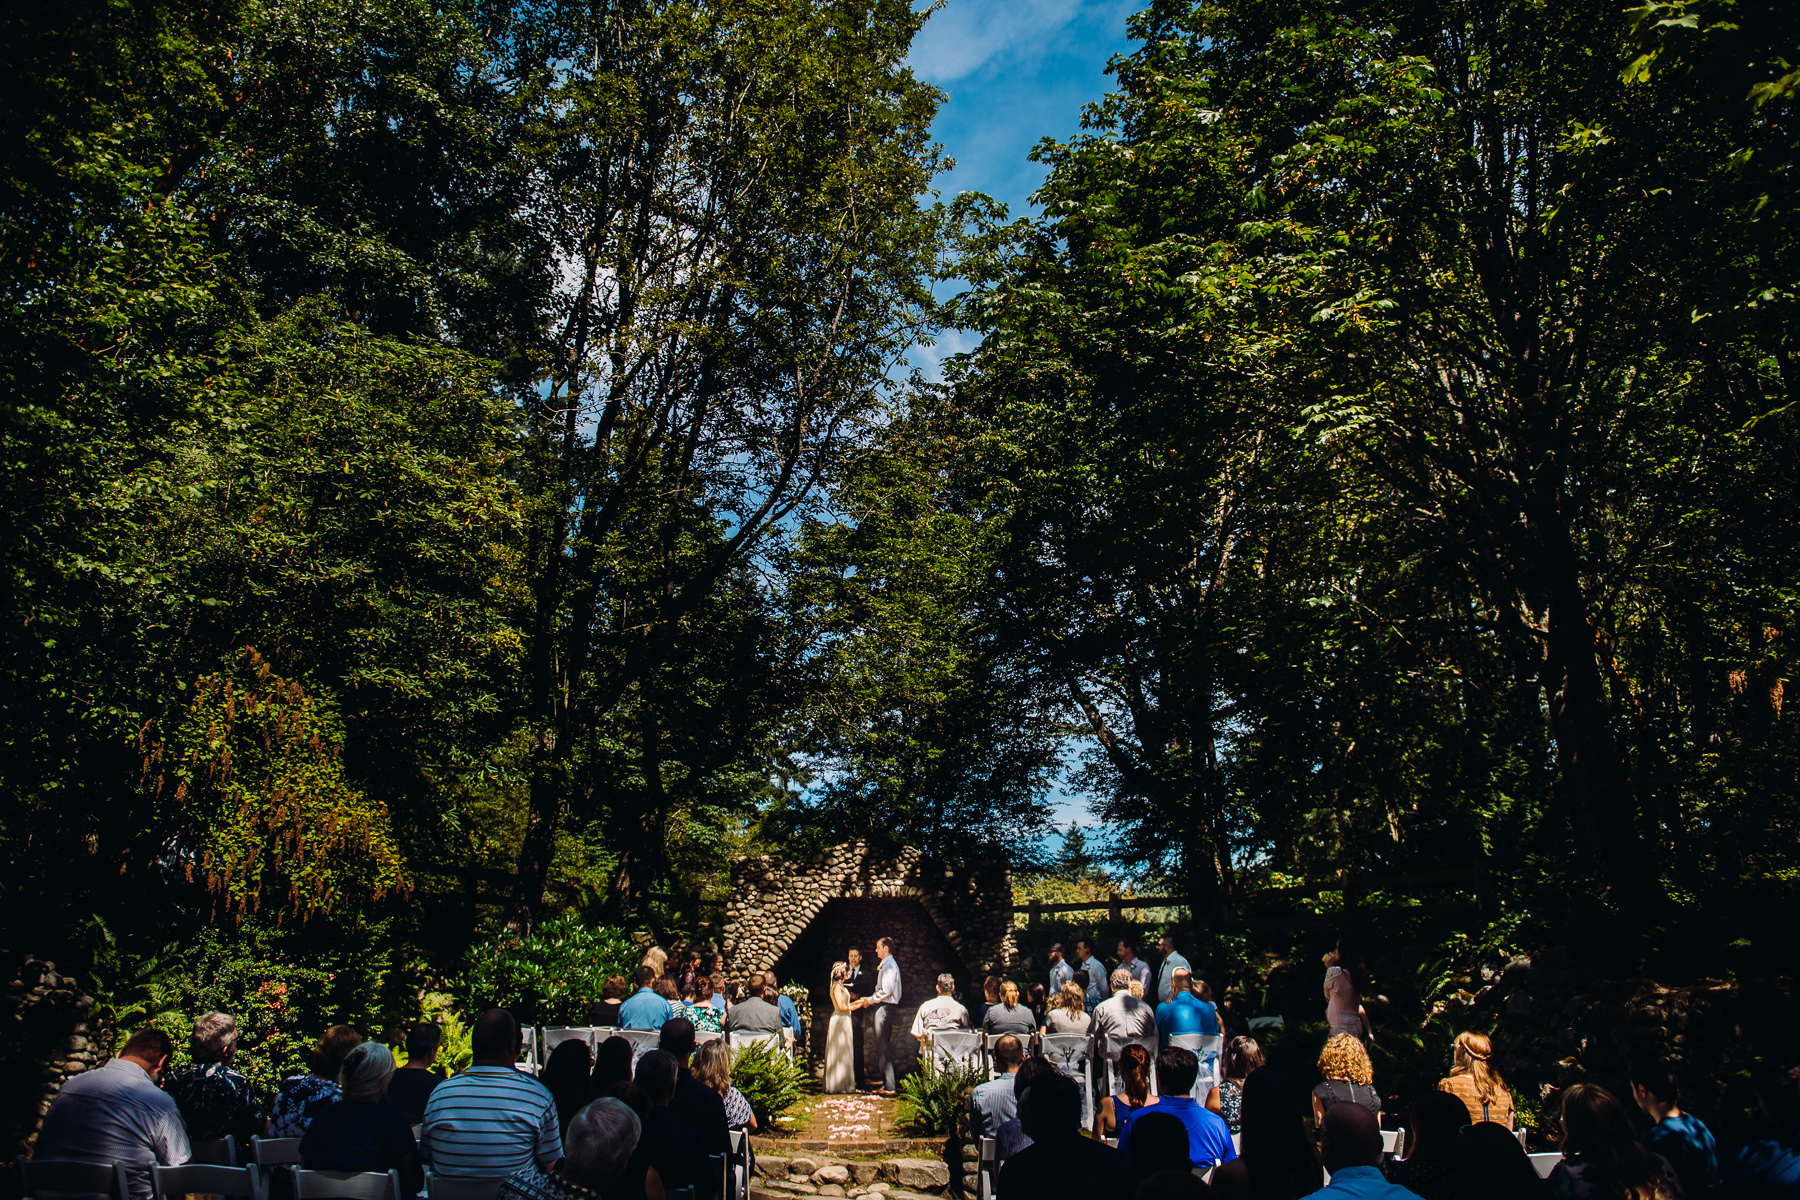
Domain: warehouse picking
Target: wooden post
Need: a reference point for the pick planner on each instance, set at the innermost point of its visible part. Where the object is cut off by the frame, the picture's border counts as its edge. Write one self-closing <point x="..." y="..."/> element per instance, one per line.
<point x="1034" y="914"/>
<point x="1115" y="910"/>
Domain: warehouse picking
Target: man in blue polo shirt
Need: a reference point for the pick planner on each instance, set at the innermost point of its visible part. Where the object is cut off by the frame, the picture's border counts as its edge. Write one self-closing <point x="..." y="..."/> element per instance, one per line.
<point x="1209" y="1138"/>
<point x="790" y="1013"/>
<point x="646" y="1009"/>
<point x="1185" y="1012"/>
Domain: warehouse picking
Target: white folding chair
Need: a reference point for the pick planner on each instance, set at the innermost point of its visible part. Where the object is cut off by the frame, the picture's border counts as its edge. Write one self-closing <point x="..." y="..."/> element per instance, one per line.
<point x="556" y="1035"/>
<point x="42" y="1175"/>
<point x="738" y="1180"/>
<point x="989" y="1040"/>
<point x="275" y="1152"/>
<point x="957" y="1047"/>
<point x="1393" y="1141"/>
<point x="219" y="1152"/>
<point x="739" y="1039"/>
<point x="1237" y="1142"/>
<point x="529" y="1048"/>
<point x="643" y="1041"/>
<point x="1543" y="1164"/>
<point x="1520" y="1133"/>
<point x="1072" y="1054"/>
<point x="990" y="1170"/>
<point x="207" y="1179"/>
<point x="437" y="1187"/>
<point x="1205" y="1048"/>
<point x="346" y="1185"/>
<point x="703" y="1036"/>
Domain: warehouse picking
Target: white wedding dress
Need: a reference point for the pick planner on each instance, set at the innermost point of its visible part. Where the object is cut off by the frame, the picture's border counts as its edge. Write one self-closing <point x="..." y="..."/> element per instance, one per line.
<point x="840" y="1044"/>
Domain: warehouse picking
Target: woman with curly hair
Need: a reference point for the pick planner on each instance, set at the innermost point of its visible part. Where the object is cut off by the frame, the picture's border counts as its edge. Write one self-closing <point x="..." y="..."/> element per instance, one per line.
<point x="1349" y="1076"/>
<point x="1134" y="1076"/>
<point x="1602" y="1156"/>
<point x="1474" y="1081"/>
<point x="1068" y="1012"/>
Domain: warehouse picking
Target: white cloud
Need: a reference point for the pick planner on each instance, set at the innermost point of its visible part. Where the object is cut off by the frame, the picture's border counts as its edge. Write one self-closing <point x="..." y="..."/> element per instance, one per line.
<point x="966" y="35"/>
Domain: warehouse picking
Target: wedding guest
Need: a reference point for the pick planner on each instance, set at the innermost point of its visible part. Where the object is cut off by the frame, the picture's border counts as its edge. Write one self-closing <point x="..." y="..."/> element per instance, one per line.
<point x="753" y="1014"/>
<point x="996" y="1102"/>
<point x="1349" y="1077"/>
<point x="712" y="1067"/>
<point x="669" y="1147"/>
<point x="1346" y="978"/>
<point x="1140" y="970"/>
<point x="1061" y="973"/>
<point x="601" y="1139"/>
<point x="116" y="1113"/>
<point x="1681" y="1138"/>
<point x="940" y="1012"/>
<point x="1770" y="1167"/>
<point x="1069" y="1015"/>
<point x="410" y="1088"/>
<point x="657" y="959"/>
<point x="1475" y="1082"/>
<point x="1241" y="1057"/>
<point x="1059" y="1161"/>
<point x="1035" y="1000"/>
<point x="1185" y="1012"/>
<point x="1276" y="1161"/>
<point x="1009" y="1016"/>
<point x="700" y="1107"/>
<point x="612" y="1065"/>
<point x="568" y="1076"/>
<point x="1171" y="963"/>
<point x="1602" y="1156"/>
<point x="1011" y="1137"/>
<point x="990" y="996"/>
<point x="604" y="1012"/>
<point x="697" y="1006"/>
<point x="1097" y="989"/>
<point x="1430" y="1166"/>
<point x="1134" y="1081"/>
<point x="1159" y="1143"/>
<point x="492" y="1119"/>
<point x="216" y="1101"/>
<point x="1209" y="1140"/>
<point x="1350" y="1142"/>
<point x="646" y="1009"/>
<point x="303" y="1097"/>
<point x="690" y="971"/>
<point x="359" y="1132"/>
<point x="790" y="1013"/>
<point x="1491" y="1165"/>
<point x="1122" y="1016"/>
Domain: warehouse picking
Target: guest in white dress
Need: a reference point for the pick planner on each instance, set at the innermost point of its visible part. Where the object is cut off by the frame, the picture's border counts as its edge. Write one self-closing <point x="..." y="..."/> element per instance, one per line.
<point x="840" y="1035"/>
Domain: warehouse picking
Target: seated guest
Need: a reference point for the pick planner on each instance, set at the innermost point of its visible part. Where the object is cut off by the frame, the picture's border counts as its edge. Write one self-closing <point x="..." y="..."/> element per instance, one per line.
<point x="656" y="958"/>
<point x="753" y="1014"/>
<point x="1069" y="1014"/>
<point x="790" y="1013"/>
<point x="1350" y="1140"/>
<point x="1430" y="1164"/>
<point x="699" y="1010"/>
<point x="1122" y="1016"/>
<point x="670" y="1152"/>
<point x="493" y="1119"/>
<point x="1010" y="1137"/>
<point x="714" y="986"/>
<point x="698" y="1106"/>
<point x="1159" y="1142"/>
<point x="568" y="1077"/>
<point x="359" y="1132"/>
<point x="601" y="1139"/>
<point x="1276" y="1161"/>
<point x="116" y="1113"/>
<point x="1185" y="1012"/>
<point x="1209" y="1139"/>
<point x="1059" y="1162"/>
<point x="1475" y="1082"/>
<point x="1491" y="1165"/>
<point x="940" y="1012"/>
<point x="1681" y="1138"/>
<point x="665" y="987"/>
<point x="411" y="1085"/>
<point x="645" y="1010"/>
<point x="604" y="1012"/>
<point x="216" y="1101"/>
<point x="1241" y="1057"/>
<point x="1770" y="1166"/>
<point x="1134" y="1078"/>
<point x="712" y="1067"/>
<point x="612" y="1065"/>
<point x="1009" y="1016"/>
<point x="1349" y="1076"/>
<point x="1035" y="1000"/>
<point x="996" y="1102"/>
<point x="302" y="1097"/>
<point x="689" y="975"/>
<point x="990" y="996"/>
<point x="1602" y="1156"/>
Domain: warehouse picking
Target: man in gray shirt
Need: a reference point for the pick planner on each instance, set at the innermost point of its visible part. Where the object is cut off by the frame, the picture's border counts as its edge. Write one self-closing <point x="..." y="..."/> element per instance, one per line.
<point x="116" y="1113"/>
<point x="1060" y="971"/>
<point x="753" y="1014"/>
<point x="885" y="1000"/>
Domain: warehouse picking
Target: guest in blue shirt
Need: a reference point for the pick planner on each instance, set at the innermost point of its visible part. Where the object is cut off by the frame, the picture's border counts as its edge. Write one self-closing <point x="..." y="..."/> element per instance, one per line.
<point x="1770" y="1168"/>
<point x="1185" y="1012"/>
<point x="646" y="1009"/>
<point x="1351" y="1142"/>
<point x="1209" y="1138"/>
<point x="790" y="1014"/>
<point x="1679" y="1137"/>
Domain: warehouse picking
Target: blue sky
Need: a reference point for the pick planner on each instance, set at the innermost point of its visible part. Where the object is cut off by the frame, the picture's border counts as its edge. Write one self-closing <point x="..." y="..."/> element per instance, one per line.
<point x="1015" y="71"/>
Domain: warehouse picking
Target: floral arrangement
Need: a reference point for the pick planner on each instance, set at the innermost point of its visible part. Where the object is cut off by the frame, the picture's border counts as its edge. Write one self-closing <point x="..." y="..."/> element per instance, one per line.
<point x="798" y="994"/>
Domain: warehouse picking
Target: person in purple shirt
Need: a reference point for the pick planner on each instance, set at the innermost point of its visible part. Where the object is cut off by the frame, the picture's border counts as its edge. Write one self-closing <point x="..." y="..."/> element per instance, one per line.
<point x="1209" y="1138"/>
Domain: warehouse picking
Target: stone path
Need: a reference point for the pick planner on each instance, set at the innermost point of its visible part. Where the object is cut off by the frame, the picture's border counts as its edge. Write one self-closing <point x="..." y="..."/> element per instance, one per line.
<point x="847" y="1146"/>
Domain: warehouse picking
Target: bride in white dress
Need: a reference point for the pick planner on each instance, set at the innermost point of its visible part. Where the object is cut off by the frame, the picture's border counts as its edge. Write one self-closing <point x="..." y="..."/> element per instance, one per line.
<point x="840" y="1036"/>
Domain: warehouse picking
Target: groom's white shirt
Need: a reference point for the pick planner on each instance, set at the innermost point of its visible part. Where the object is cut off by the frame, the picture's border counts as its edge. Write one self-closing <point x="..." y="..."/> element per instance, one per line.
<point x="887" y="983"/>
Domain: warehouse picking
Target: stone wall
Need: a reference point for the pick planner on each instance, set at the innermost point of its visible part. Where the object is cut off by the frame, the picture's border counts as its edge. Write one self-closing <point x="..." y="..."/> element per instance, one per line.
<point x="47" y="1034"/>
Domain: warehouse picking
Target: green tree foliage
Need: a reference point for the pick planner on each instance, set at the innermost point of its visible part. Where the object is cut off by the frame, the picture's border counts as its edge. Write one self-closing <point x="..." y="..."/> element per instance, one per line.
<point x="549" y="976"/>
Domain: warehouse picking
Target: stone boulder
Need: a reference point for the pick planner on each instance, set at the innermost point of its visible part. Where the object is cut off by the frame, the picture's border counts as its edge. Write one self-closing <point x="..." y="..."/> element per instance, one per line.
<point x="918" y="1174"/>
<point x="833" y="1173"/>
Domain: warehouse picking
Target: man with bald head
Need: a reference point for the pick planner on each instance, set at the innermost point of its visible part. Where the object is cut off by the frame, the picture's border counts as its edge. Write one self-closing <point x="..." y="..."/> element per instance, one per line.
<point x="1350" y="1142"/>
<point x="493" y="1119"/>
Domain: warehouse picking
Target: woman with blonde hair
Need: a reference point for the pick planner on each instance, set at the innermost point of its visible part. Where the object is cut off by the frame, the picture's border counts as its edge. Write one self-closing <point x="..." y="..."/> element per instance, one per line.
<point x="1349" y="1076"/>
<point x="1068" y="1012"/>
<point x="1474" y="1081"/>
<point x="1009" y="1016"/>
<point x="712" y="1066"/>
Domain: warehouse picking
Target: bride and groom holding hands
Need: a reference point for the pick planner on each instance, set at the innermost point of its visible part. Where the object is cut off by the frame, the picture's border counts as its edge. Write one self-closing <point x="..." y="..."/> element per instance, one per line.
<point x="849" y="1001"/>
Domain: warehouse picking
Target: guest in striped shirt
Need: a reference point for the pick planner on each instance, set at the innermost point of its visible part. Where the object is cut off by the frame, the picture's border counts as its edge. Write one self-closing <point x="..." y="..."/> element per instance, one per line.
<point x="492" y="1119"/>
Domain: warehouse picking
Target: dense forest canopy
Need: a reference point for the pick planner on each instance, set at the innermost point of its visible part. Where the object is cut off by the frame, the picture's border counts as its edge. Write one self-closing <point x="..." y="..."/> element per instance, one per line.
<point x="458" y="468"/>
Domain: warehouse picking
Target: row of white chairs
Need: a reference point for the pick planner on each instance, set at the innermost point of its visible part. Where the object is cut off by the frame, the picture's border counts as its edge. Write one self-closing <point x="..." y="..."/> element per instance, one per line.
<point x="645" y="1040"/>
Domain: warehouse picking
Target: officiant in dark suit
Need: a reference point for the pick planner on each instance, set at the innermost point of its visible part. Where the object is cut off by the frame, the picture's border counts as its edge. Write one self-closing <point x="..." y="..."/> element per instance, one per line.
<point x="861" y="983"/>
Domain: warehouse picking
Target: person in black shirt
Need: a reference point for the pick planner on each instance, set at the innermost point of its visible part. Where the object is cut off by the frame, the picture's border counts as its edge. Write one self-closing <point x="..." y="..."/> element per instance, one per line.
<point x="359" y="1132"/>
<point x="669" y="1146"/>
<point x="1059" y="1161"/>
<point x="411" y="1085"/>
<point x="701" y="1108"/>
<point x="604" y="1012"/>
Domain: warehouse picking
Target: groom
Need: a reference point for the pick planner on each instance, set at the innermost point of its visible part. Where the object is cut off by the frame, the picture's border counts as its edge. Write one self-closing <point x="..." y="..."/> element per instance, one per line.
<point x="885" y="1000"/>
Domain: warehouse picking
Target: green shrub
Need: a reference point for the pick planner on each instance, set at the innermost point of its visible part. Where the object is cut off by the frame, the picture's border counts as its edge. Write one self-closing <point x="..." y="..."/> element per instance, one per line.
<point x="548" y="977"/>
<point x="932" y="1096"/>
<point x="771" y="1082"/>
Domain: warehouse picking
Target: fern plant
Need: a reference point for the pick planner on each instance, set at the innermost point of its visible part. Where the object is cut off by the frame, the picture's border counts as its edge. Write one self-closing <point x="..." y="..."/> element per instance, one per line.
<point x="771" y="1082"/>
<point x="931" y="1097"/>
